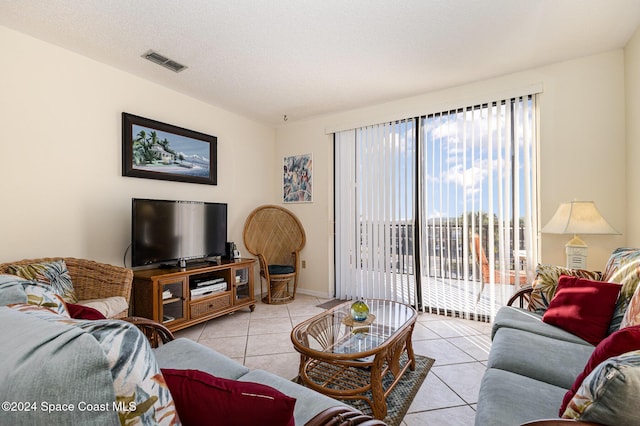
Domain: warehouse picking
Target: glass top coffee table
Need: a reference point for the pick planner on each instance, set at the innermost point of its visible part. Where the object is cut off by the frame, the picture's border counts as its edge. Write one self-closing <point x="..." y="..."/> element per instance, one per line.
<point x="348" y="359"/>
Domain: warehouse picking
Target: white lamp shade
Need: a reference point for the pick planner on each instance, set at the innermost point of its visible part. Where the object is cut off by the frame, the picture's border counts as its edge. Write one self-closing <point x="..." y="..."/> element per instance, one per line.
<point x="578" y="217"/>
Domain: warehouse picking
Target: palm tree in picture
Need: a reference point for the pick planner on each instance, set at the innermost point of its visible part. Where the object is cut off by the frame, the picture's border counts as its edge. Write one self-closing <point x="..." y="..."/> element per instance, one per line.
<point x="139" y="148"/>
<point x="143" y="148"/>
<point x="164" y="143"/>
<point x="151" y="155"/>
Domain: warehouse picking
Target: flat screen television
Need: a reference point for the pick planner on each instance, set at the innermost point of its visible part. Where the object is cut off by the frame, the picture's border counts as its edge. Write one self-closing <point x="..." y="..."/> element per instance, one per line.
<point x="173" y="232"/>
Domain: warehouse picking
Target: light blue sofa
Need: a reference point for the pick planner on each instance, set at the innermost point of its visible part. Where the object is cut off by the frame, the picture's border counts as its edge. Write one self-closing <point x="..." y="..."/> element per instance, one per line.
<point x="530" y="368"/>
<point x="184" y="354"/>
<point x="55" y="370"/>
<point x="533" y="364"/>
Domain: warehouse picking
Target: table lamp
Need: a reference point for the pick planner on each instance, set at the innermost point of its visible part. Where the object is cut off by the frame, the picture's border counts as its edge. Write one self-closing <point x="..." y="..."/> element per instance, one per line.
<point x="578" y="217"/>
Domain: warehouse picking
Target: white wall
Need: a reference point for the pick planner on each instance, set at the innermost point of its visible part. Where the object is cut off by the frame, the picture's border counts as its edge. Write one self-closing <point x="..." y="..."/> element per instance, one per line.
<point x="582" y="152"/>
<point x="317" y="217"/>
<point x="60" y="178"/>
<point x="583" y="148"/>
<point x="632" y="83"/>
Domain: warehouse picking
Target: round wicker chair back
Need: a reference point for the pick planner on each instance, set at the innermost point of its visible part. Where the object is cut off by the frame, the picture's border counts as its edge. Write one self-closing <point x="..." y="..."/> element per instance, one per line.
<point x="275" y="233"/>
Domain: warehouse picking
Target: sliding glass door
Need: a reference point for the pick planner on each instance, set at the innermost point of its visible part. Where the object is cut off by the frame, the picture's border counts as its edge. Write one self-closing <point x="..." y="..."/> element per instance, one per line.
<point x="375" y="189"/>
<point x="439" y="211"/>
<point x="478" y="221"/>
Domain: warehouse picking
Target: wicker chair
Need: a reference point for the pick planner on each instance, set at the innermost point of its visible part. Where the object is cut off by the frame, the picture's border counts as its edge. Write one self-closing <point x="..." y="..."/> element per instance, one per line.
<point x="523" y="297"/>
<point x="91" y="280"/>
<point x="156" y="333"/>
<point x="275" y="236"/>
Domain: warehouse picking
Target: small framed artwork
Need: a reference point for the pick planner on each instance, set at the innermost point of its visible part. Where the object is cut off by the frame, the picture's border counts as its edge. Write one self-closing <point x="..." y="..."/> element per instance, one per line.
<point x="155" y="150"/>
<point x="297" y="184"/>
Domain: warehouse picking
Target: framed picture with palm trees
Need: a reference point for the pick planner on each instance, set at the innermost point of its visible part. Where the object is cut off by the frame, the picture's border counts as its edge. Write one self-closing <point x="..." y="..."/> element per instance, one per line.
<point x="155" y="150"/>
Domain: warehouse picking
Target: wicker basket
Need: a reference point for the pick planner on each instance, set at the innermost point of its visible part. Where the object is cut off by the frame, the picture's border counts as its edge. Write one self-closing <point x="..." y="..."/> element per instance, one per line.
<point x="91" y="279"/>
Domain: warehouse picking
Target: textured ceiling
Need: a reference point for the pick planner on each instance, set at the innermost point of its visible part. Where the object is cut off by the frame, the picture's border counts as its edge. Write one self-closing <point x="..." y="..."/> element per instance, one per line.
<point x="263" y="59"/>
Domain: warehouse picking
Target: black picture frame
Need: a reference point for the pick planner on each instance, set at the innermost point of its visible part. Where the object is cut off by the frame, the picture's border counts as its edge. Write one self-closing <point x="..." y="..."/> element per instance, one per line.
<point x="155" y="150"/>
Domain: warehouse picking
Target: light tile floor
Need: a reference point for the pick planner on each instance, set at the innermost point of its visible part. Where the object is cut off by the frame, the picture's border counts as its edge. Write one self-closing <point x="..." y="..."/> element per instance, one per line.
<point x="261" y="339"/>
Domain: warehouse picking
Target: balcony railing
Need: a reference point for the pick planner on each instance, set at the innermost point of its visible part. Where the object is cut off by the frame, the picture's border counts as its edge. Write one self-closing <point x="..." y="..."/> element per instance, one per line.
<point x="442" y="254"/>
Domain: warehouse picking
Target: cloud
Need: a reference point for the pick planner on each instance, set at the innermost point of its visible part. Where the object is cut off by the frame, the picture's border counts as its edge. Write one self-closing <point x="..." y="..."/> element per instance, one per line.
<point x="470" y="179"/>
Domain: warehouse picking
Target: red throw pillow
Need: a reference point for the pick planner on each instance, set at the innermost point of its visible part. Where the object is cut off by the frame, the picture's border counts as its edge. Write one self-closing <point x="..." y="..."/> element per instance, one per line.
<point x="583" y="307"/>
<point x="622" y="341"/>
<point x="84" y="312"/>
<point x="201" y="398"/>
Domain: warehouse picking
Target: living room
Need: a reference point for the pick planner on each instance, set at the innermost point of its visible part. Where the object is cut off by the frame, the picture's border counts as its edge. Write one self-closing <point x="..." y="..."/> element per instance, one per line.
<point x="66" y="196"/>
<point x="61" y="108"/>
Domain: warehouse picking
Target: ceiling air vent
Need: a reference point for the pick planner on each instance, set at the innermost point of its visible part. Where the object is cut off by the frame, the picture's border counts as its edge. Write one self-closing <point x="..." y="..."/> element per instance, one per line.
<point x="159" y="59"/>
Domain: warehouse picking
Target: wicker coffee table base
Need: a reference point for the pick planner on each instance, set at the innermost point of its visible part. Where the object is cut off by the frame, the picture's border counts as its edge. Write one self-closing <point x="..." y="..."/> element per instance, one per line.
<point x="352" y="379"/>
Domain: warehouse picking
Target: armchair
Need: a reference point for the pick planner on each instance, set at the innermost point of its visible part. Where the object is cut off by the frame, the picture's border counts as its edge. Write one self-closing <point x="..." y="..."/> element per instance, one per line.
<point x="92" y="281"/>
<point x="275" y="236"/>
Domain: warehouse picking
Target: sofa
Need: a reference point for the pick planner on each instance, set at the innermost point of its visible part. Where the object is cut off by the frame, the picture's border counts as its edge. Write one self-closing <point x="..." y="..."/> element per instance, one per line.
<point x="104" y="287"/>
<point x="567" y="349"/>
<point x="62" y="370"/>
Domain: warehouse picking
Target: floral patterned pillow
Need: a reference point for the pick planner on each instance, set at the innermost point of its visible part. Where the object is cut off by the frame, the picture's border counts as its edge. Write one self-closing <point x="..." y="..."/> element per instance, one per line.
<point x="41" y="295"/>
<point x="632" y="314"/>
<point x="546" y="283"/>
<point x="609" y="395"/>
<point x="53" y="273"/>
<point x="16" y="290"/>
<point x="46" y="313"/>
<point x="623" y="268"/>
<point x="142" y="395"/>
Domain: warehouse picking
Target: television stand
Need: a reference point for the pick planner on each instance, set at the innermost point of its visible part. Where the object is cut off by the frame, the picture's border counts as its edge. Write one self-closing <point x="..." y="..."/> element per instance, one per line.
<point x="171" y="295"/>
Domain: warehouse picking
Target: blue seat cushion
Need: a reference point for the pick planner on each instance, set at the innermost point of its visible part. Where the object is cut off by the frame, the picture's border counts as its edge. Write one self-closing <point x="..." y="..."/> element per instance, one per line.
<point x="281" y="269"/>
<point x="507" y="399"/>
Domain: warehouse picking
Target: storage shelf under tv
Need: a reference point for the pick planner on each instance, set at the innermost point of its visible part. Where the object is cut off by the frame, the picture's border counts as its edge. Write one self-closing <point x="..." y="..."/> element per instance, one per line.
<point x="180" y="310"/>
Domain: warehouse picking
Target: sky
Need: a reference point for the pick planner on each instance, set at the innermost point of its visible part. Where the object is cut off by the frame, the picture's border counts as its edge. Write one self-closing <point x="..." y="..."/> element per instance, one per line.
<point x="459" y="168"/>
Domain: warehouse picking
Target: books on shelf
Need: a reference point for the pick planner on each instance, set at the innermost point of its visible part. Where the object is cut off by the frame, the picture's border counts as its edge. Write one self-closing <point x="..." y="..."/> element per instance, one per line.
<point x="167" y="295"/>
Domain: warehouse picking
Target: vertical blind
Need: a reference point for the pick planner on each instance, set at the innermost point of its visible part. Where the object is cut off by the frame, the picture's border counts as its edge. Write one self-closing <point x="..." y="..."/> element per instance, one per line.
<point x="478" y="207"/>
<point x="375" y="189"/>
<point x="439" y="211"/>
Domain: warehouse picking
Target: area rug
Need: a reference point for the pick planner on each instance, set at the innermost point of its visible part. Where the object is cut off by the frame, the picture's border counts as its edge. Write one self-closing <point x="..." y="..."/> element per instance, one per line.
<point x="330" y="304"/>
<point x="400" y="398"/>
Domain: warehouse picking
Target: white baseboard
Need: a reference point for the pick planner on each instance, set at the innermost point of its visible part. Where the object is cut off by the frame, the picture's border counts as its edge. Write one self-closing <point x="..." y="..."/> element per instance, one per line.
<point x="315" y="293"/>
<point x="319" y="294"/>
